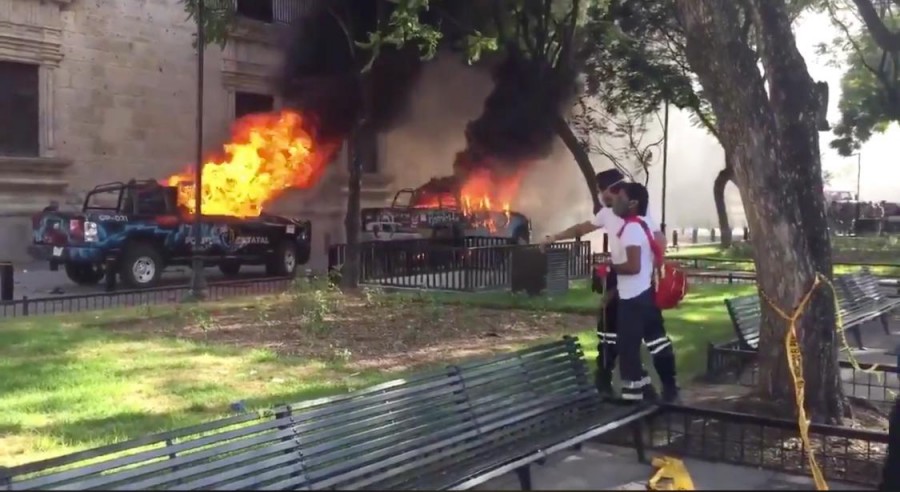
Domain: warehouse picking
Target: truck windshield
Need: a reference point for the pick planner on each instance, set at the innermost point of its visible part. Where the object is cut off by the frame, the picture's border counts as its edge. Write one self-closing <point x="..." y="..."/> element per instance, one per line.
<point x="433" y="200"/>
<point x="103" y="200"/>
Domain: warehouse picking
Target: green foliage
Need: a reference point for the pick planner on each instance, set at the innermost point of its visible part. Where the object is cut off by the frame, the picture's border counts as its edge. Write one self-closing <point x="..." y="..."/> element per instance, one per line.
<point x="218" y="16"/>
<point x="635" y="60"/>
<point x="870" y="98"/>
<point x="403" y="27"/>
<point x="476" y="44"/>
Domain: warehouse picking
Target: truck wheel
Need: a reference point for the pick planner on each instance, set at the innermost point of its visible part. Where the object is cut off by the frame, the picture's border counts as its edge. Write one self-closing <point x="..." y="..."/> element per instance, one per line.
<point x="283" y="262"/>
<point x="141" y="266"/>
<point x="230" y="268"/>
<point x="83" y="273"/>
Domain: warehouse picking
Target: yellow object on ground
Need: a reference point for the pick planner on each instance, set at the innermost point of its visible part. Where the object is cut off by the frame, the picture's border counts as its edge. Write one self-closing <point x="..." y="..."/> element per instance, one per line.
<point x="672" y="473"/>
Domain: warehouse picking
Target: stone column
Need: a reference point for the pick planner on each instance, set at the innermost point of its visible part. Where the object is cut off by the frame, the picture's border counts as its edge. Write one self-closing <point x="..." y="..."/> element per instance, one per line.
<point x="47" y="110"/>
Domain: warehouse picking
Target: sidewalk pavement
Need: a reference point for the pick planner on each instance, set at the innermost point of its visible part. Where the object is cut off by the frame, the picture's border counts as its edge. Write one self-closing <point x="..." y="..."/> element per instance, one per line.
<point x="604" y="467"/>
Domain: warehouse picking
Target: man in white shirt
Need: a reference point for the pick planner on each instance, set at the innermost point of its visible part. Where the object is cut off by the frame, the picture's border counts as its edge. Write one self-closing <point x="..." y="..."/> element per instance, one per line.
<point x="639" y="318"/>
<point x="611" y="183"/>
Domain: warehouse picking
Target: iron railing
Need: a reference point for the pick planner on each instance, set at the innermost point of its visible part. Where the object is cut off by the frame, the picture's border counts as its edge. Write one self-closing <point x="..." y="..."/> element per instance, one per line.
<point x="877" y="384"/>
<point x="126" y="298"/>
<point x="747" y="265"/>
<point x="844" y="454"/>
<point x="479" y="264"/>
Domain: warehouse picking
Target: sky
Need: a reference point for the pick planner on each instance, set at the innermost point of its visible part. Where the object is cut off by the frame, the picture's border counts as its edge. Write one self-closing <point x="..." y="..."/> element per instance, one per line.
<point x="695" y="157"/>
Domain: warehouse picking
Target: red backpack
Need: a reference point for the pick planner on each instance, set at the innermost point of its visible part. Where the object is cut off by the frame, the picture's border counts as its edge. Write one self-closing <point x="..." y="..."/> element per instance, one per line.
<point x="669" y="280"/>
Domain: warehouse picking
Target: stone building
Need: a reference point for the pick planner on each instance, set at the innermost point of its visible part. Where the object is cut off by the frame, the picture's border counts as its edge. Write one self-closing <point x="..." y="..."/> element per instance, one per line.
<point x="94" y="91"/>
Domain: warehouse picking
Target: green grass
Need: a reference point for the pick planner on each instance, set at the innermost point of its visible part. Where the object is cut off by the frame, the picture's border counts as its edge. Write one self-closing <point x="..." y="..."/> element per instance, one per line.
<point x="69" y="384"/>
<point x="846" y="251"/>
<point x="699" y="320"/>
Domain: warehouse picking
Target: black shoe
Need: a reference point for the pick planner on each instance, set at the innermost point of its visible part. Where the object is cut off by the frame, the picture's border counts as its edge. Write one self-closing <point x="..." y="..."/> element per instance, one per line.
<point x="670" y="394"/>
<point x="603" y="382"/>
<point x="650" y="394"/>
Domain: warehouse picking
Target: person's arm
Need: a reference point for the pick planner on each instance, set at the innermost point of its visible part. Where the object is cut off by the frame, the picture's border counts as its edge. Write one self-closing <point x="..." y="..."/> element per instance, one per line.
<point x="576" y="230"/>
<point x="631" y="240"/>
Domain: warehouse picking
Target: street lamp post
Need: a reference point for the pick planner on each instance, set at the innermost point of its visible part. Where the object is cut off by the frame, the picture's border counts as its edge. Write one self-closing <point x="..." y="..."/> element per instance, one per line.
<point x="198" y="282"/>
<point x="858" y="176"/>
<point x="665" y="168"/>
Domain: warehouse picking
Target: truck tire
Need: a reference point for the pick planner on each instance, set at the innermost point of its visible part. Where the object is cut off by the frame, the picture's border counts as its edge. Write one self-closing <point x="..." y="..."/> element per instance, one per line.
<point x="142" y="266"/>
<point x="83" y="273"/>
<point x="230" y="268"/>
<point x="283" y="262"/>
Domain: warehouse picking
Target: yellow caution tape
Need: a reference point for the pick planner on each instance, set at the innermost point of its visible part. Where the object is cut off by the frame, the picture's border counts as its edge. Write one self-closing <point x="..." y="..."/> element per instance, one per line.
<point x="795" y="363"/>
<point x="672" y="473"/>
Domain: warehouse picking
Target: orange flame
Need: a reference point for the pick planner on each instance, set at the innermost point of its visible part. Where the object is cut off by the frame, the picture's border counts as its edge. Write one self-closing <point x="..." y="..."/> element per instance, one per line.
<point x="484" y="191"/>
<point x="268" y="153"/>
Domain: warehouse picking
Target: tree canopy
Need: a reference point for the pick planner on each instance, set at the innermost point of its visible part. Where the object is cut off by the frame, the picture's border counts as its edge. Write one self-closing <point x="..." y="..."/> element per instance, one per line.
<point x="870" y="85"/>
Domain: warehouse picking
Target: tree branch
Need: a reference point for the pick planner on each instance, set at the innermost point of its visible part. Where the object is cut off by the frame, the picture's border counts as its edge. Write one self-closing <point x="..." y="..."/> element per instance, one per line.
<point x="883" y="36"/>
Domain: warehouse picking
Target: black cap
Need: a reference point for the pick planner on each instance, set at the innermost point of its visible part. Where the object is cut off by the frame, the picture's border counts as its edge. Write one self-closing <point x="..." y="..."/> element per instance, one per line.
<point x="607" y="178"/>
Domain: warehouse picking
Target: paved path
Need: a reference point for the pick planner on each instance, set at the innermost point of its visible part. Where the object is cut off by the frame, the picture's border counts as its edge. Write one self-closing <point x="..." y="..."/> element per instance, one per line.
<point x="603" y="467"/>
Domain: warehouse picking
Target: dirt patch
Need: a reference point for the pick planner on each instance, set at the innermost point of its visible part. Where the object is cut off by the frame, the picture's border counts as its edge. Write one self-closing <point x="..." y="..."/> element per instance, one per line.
<point x="364" y="331"/>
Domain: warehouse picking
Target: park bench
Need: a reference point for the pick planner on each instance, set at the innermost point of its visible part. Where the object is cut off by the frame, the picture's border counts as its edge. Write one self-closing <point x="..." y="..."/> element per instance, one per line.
<point x="866" y="291"/>
<point x="746" y="316"/>
<point x="242" y="451"/>
<point x="454" y="428"/>
<point x="461" y="428"/>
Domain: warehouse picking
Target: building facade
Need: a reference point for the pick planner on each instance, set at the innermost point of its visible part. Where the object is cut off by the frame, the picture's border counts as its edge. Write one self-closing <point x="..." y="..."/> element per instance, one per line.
<point x="94" y="91"/>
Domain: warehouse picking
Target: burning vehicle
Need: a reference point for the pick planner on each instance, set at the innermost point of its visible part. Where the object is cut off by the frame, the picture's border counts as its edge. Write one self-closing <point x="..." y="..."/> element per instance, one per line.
<point x="142" y="227"/>
<point x="444" y="209"/>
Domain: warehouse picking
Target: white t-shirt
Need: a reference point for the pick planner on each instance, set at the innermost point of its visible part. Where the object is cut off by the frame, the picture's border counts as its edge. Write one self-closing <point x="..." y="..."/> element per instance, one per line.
<point x="607" y="220"/>
<point x="630" y="286"/>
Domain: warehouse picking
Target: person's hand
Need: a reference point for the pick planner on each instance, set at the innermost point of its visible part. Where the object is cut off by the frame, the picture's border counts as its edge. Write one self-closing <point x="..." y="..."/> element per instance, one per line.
<point x="602" y="270"/>
<point x="548" y="240"/>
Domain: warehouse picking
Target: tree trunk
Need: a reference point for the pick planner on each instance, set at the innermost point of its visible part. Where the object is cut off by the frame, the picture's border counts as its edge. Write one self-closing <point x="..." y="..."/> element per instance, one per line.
<point x="355" y="155"/>
<point x="777" y="169"/>
<point x="350" y="269"/>
<point x="581" y="158"/>
<point x="722" y="179"/>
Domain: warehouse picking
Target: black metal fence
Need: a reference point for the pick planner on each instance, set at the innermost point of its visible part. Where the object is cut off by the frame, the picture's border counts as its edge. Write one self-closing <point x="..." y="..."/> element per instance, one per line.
<point x="481" y="263"/>
<point x="127" y="298"/>
<point x="878" y="384"/>
<point x="845" y="454"/>
<point x="747" y="265"/>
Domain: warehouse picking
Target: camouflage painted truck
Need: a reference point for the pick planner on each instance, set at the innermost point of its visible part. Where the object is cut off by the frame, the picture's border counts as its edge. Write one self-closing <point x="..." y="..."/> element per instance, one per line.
<point x="436" y="210"/>
<point x="139" y="229"/>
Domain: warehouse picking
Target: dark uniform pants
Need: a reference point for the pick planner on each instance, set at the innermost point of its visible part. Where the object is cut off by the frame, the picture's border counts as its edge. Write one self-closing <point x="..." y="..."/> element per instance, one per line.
<point x="621" y="328"/>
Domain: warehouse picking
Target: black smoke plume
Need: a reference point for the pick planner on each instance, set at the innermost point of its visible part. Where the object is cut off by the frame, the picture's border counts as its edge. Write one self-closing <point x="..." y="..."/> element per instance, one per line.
<point x="321" y="75"/>
<point x="518" y="122"/>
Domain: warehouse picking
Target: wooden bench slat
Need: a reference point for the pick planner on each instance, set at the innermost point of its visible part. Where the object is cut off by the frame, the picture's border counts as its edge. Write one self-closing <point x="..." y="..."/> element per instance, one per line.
<point x="322" y="459"/>
<point x="232" y="463"/>
<point x="185" y="463"/>
<point x="109" y="449"/>
<point x="254" y="479"/>
<point x="142" y="456"/>
<point x="480" y="460"/>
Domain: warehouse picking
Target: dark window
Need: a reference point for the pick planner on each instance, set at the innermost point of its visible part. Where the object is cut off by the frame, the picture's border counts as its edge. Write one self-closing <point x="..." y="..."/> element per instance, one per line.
<point x="247" y="103"/>
<point x="260" y="10"/>
<point x="19" y="113"/>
